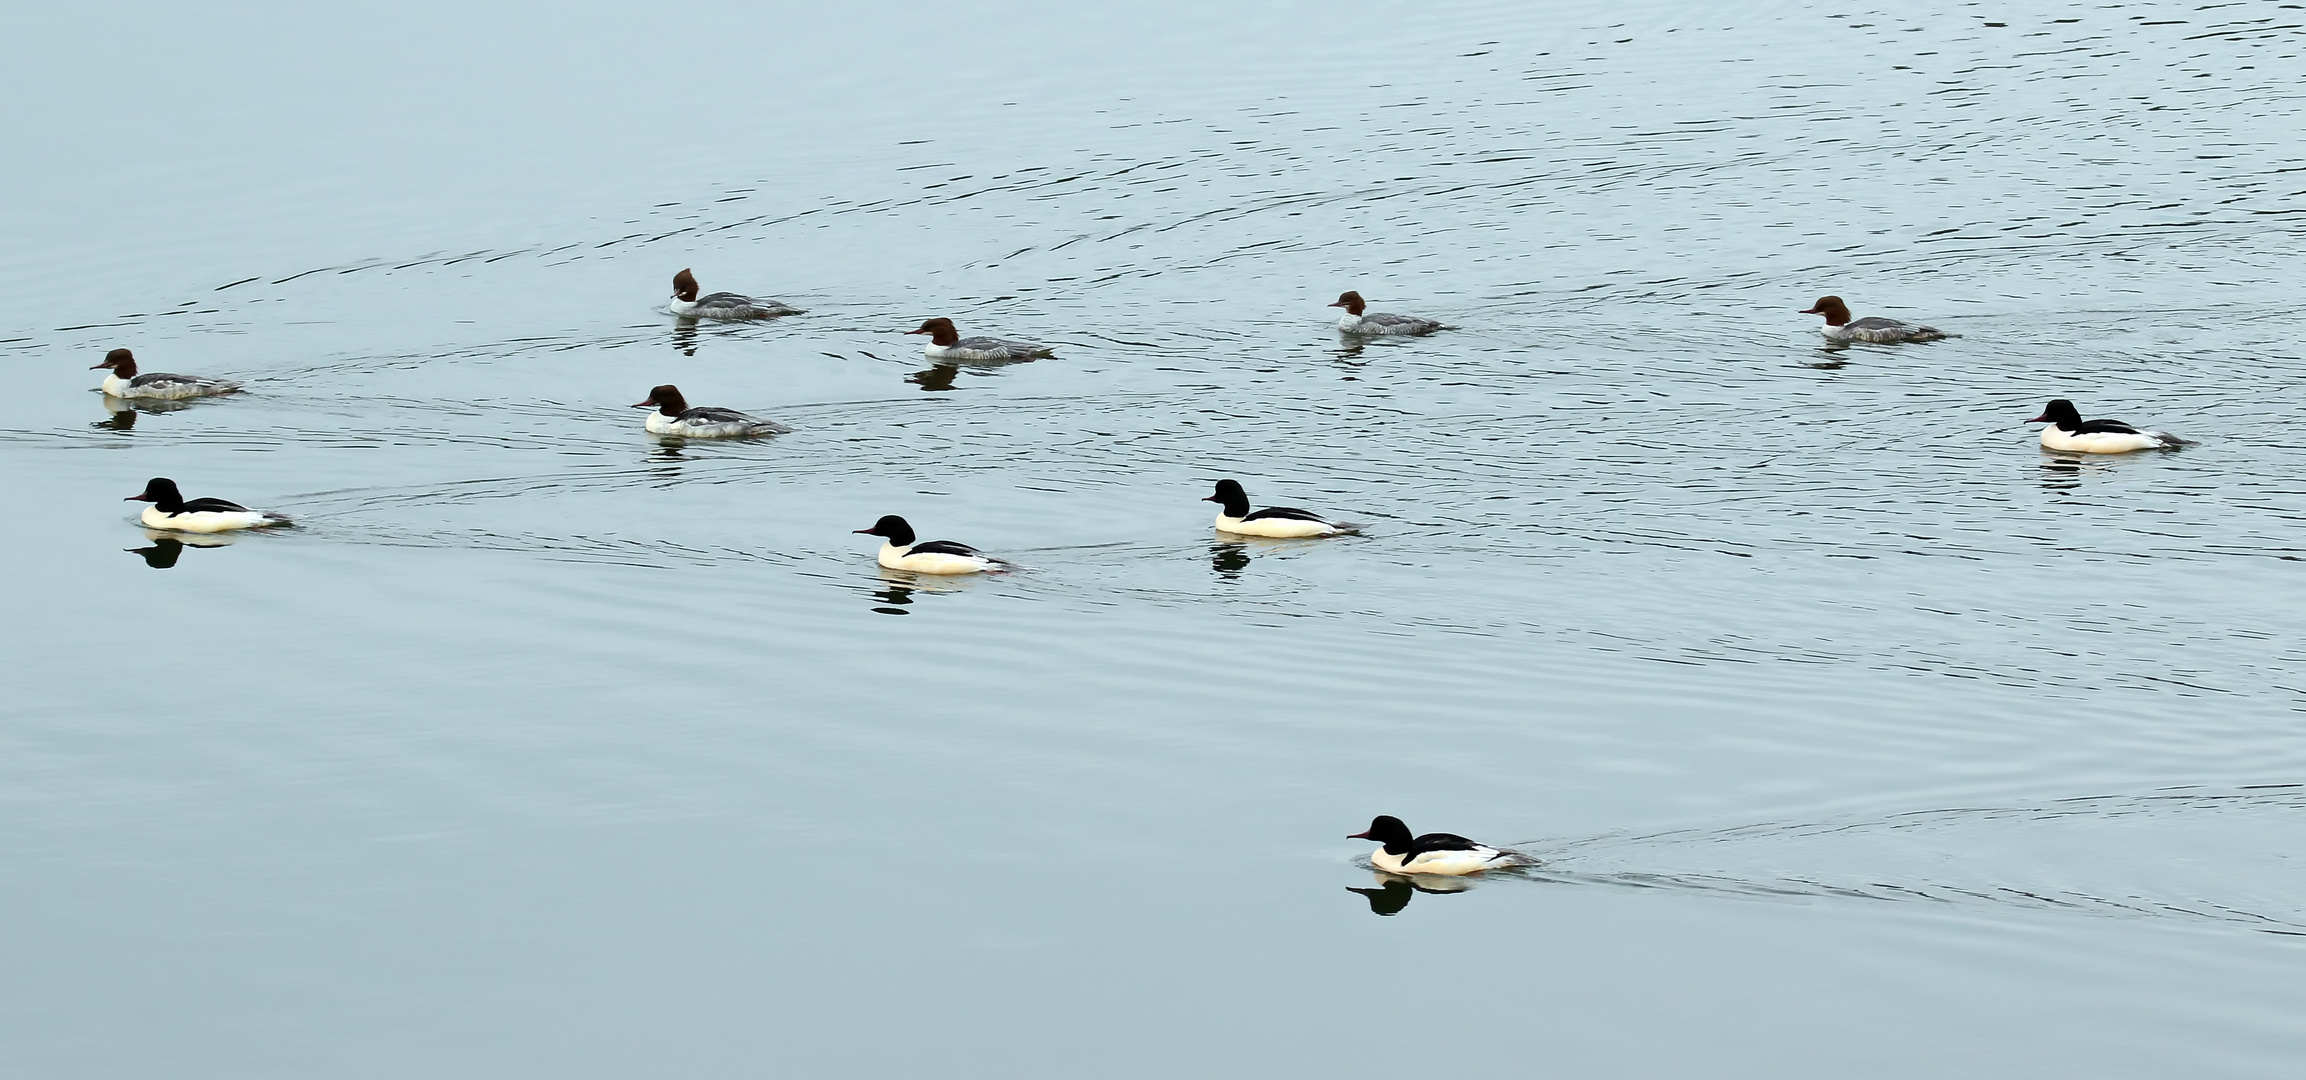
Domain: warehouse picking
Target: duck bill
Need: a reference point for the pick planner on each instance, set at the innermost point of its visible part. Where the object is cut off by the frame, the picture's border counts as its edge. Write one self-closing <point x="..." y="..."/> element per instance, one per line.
<point x="1357" y="836"/>
<point x="105" y="364"/>
<point x="1340" y="305"/>
<point x="642" y="405"/>
<point x="912" y="332"/>
<point x="1809" y="311"/>
<point x="866" y="532"/>
<point x="1212" y="498"/>
<point x="2039" y="420"/>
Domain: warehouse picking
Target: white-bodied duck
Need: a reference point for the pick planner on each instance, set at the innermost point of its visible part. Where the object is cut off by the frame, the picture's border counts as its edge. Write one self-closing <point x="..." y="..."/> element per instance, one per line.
<point x="1446" y="854"/>
<point x="170" y="510"/>
<point x="899" y="551"/>
<point x="2070" y="433"/>
<point x="1286" y="522"/>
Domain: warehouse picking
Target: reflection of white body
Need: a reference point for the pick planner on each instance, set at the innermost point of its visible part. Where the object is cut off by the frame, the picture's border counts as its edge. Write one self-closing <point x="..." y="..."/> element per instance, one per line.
<point x="1840" y="328"/>
<point x="2070" y="433"/>
<point x="1277" y="522"/>
<point x="720" y="305"/>
<point x="673" y="416"/>
<point x="170" y="510"/>
<point x="899" y="551"/>
<point x="122" y="381"/>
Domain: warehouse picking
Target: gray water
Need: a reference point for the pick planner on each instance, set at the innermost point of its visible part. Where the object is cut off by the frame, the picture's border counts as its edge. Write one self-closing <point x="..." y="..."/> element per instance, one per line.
<point x="1859" y="736"/>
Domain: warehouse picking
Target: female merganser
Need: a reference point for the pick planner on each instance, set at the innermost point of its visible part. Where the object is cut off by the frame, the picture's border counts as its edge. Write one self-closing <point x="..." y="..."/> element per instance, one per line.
<point x="946" y="343"/>
<point x="1876" y="329"/>
<point x="721" y="305"/>
<point x="2069" y="432"/>
<point x="124" y="382"/>
<point x="1433" y="853"/>
<point x="899" y="552"/>
<point x="1233" y="516"/>
<point x="674" y="417"/>
<point x="1377" y="322"/>
<point x="172" y="511"/>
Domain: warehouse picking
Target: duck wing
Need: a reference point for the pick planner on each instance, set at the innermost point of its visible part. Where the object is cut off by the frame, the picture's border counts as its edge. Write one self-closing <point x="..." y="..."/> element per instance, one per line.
<point x="944" y="547"/>
<point x="212" y="506"/>
<point x="1291" y="513"/>
<point x="705" y="414"/>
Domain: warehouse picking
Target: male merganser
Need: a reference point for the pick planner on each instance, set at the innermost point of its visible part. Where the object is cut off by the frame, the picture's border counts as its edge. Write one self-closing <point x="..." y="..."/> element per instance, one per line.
<point x="1234" y="516"/>
<point x="124" y="382"/>
<point x="2069" y="432"/>
<point x="172" y="511"/>
<point x="721" y="305"/>
<point x="899" y="552"/>
<point x="1433" y="853"/>
<point x="1875" y="329"/>
<point x="946" y="343"/>
<point x="1377" y="322"/>
<point x="674" y="417"/>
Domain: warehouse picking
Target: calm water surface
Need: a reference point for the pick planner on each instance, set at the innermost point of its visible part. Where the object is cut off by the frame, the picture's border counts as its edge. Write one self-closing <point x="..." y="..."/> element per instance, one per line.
<point x="1861" y="737"/>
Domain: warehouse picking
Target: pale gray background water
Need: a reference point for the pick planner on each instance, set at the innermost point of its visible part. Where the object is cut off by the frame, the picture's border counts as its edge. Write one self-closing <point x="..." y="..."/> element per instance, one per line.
<point x="1862" y="737"/>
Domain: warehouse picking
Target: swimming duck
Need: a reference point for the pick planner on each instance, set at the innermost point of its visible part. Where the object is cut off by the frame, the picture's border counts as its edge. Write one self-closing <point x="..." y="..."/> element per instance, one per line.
<point x="673" y="416"/>
<point x="1876" y="329"/>
<point x="900" y="552"/>
<point x="1377" y="322"/>
<point x="1432" y="853"/>
<point x="721" y="305"/>
<point x="946" y="343"/>
<point x="2069" y="432"/>
<point x="1234" y="516"/>
<point x="172" y="511"/>
<point x="124" y="382"/>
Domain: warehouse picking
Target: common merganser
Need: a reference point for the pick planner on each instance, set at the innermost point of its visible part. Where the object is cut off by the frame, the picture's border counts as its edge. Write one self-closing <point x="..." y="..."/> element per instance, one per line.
<point x="1434" y="853"/>
<point x="1234" y="516"/>
<point x="1377" y="322"/>
<point x="900" y="552"/>
<point x="721" y="305"/>
<point x="124" y="382"/>
<point x="2069" y="432"/>
<point x="1875" y="329"/>
<point x="673" y="416"/>
<point x="946" y="343"/>
<point x="172" y="511"/>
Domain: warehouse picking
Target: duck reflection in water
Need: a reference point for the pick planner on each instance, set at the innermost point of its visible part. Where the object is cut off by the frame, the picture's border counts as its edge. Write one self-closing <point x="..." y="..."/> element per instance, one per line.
<point x="685" y="335"/>
<point x="940" y="374"/>
<point x="937" y="377"/>
<point x="1230" y="556"/>
<point x="121" y="413"/>
<point x="1830" y="356"/>
<point x="167" y="547"/>
<point x="1393" y="891"/>
<point x="2065" y="472"/>
<point x="898" y="587"/>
